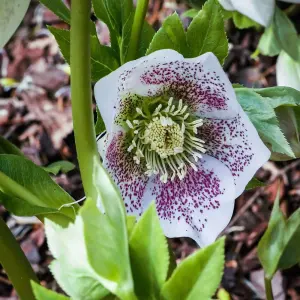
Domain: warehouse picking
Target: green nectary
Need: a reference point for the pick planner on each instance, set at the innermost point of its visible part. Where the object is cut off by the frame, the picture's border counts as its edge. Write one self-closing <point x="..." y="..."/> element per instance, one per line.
<point x="163" y="135"/>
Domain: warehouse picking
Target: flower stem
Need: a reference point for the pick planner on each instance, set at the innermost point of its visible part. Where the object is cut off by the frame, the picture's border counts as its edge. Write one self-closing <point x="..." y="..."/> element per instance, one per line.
<point x="268" y="288"/>
<point x="15" y="263"/>
<point x="83" y="119"/>
<point x="137" y="27"/>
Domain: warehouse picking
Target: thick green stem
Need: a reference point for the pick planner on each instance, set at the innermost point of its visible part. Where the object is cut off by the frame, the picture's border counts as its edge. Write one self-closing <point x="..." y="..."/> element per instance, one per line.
<point x="10" y="187"/>
<point x="83" y="119"/>
<point x="15" y="263"/>
<point x="137" y="27"/>
<point x="268" y="288"/>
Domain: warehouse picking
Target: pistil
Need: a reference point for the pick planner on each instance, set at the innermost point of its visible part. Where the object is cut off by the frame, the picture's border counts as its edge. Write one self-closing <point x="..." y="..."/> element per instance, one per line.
<point x="166" y="140"/>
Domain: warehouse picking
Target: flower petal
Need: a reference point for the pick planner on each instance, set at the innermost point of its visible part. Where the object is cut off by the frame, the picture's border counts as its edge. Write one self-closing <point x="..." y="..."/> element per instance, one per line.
<point x="261" y="11"/>
<point x="287" y="71"/>
<point x="199" y="82"/>
<point x="237" y="144"/>
<point x="108" y="90"/>
<point x="227" y="4"/>
<point x="199" y="206"/>
<point x="127" y="175"/>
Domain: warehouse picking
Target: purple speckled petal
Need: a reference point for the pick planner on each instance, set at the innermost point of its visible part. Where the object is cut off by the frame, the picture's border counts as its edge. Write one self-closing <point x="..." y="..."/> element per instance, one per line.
<point x="199" y="82"/>
<point x="109" y="90"/>
<point x="199" y="206"/>
<point x="128" y="176"/>
<point x="235" y="143"/>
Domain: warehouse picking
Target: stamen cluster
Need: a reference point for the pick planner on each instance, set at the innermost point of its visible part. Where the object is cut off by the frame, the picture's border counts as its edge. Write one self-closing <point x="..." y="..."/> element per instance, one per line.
<point x="166" y="139"/>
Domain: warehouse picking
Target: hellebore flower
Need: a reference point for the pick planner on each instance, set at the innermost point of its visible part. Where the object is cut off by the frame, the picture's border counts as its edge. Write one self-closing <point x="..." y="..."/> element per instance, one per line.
<point x="177" y="135"/>
<point x="261" y="11"/>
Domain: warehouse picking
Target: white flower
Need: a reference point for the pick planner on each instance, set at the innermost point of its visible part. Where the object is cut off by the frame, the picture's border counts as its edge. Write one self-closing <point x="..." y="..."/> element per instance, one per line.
<point x="287" y="71"/>
<point x="261" y="11"/>
<point x="177" y="135"/>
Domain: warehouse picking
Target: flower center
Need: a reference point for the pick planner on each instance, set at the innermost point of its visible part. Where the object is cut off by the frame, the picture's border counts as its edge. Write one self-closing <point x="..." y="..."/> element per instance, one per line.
<point x="166" y="139"/>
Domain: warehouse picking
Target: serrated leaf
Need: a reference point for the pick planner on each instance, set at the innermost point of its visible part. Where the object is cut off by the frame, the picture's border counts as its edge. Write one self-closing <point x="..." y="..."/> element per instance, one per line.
<point x="198" y="276"/>
<point x="254" y="183"/>
<point x="104" y="240"/>
<point x="170" y="36"/>
<point x="206" y="33"/>
<point x="262" y="115"/>
<point x="103" y="60"/>
<point x="149" y="255"/>
<point x="41" y="293"/>
<point x="7" y="147"/>
<point x="71" y="267"/>
<point x="60" y="166"/>
<point x="22" y="208"/>
<point x="11" y="15"/>
<point x="286" y="34"/>
<point x="268" y="44"/>
<point x="286" y="103"/>
<point x="45" y="192"/>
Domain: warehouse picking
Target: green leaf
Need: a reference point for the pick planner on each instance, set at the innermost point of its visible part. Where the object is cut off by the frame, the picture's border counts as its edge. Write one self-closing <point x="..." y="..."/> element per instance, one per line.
<point x="286" y="34"/>
<point x="58" y="8"/>
<point x="291" y="254"/>
<point x="170" y="36"/>
<point x="146" y="37"/>
<point x="286" y="102"/>
<point x="103" y="59"/>
<point x="280" y="96"/>
<point x="271" y="245"/>
<point x="262" y="115"/>
<point x="254" y="183"/>
<point x="191" y="13"/>
<point x="41" y="293"/>
<point x="60" y="166"/>
<point x="7" y="147"/>
<point x="22" y="208"/>
<point x="196" y="3"/>
<point x="268" y="44"/>
<point x="242" y="21"/>
<point x="12" y="13"/>
<point x="106" y="235"/>
<point x="279" y="246"/>
<point x="130" y="223"/>
<point x="104" y="240"/>
<point x="149" y="255"/>
<point x="35" y="180"/>
<point x="71" y="267"/>
<point x="198" y="276"/>
<point x="206" y="33"/>
<point x="99" y="126"/>
<point x="63" y="12"/>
